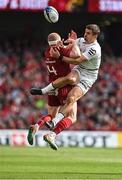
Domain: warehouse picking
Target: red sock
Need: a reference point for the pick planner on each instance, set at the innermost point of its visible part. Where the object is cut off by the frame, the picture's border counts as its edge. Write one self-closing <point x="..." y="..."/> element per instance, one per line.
<point x="63" y="124"/>
<point x="44" y="119"/>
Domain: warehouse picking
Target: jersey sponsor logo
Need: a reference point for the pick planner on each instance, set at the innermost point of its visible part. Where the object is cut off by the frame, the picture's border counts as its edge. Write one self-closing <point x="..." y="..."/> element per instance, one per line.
<point x="92" y="52"/>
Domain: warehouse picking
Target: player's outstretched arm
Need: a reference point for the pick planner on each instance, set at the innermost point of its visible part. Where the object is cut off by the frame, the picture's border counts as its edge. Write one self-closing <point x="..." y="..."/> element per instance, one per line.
<point x="75" y="60"/>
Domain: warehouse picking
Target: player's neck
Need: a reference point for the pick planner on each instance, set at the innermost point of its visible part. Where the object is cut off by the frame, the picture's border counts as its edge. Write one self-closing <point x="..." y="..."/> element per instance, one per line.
<point x="91" y="42"/>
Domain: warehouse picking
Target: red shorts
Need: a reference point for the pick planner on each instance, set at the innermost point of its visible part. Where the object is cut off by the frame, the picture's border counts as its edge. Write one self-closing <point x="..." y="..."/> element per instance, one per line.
<point x="60" y="97"/>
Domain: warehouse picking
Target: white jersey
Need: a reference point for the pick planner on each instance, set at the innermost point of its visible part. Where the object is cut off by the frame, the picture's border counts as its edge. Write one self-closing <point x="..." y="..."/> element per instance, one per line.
<point x="88" y="69"/>
<point x="92" y="52"/>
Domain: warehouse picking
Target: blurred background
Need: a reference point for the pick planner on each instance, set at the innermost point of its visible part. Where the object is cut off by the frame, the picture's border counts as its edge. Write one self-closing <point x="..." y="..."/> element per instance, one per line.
<point x="23" y="35"/>
<point x="23" y="39"/>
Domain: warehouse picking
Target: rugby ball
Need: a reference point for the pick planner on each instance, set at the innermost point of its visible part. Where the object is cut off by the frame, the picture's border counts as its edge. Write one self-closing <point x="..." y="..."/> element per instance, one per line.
<point x="51" y="14"/>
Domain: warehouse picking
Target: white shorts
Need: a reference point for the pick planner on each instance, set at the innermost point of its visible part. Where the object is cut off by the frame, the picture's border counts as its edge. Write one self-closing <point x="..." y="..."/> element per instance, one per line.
<point x="87" y="78"/>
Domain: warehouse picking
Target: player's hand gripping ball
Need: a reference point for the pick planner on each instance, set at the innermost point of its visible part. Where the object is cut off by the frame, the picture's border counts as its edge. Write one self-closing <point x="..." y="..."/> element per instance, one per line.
<point x="51" y="14"/>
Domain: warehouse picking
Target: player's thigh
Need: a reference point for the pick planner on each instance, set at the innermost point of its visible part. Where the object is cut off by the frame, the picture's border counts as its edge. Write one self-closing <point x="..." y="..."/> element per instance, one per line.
<point x="53" y="110"/>
<point x="75" y="94"/>
<point x="74" y="76"/>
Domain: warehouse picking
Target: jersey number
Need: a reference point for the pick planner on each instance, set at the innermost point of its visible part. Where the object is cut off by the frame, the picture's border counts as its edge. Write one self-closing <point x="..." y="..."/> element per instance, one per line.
<point x="51" y="70"/>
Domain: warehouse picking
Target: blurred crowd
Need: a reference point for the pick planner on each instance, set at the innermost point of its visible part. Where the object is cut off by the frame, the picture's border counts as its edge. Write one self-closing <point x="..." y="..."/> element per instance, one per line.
<point x="22" y="67"/>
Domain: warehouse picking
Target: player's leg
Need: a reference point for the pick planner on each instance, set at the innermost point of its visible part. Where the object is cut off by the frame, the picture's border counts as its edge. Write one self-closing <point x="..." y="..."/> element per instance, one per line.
<point x="52" y="111"/>
<point x="66" y="110"/>
<point x="76" y="93"/>
<point x="66" y="122"/>
<point x="60" y="126"/>
<point x="53" y="107"/>
<point x="71" y="79"/>
<point x="69" y="119"/>
<point x="70" y="108"/>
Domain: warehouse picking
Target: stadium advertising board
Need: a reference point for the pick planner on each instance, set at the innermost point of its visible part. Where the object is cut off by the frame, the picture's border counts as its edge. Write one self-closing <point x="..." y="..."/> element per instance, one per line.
<point x="38" y="5"/>
<point x="23" y="4"/>
<point x="96" y="139"/>
<point x="93" y="6"/>
<point x="106" y="6"/>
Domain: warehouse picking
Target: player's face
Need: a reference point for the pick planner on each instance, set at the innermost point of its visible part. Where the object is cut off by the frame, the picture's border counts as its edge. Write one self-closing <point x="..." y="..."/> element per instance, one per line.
<point x="89" y="36"/>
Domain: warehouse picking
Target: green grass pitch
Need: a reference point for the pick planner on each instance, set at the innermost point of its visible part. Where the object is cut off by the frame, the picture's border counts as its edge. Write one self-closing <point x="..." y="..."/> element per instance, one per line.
<point x="66" y="163"/>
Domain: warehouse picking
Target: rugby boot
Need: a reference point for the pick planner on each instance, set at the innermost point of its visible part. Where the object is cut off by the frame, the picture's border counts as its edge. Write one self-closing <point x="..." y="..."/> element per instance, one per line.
<point x="50" y="139"/>
<point x="31" y="133"/>
<point x="36" y="91"/>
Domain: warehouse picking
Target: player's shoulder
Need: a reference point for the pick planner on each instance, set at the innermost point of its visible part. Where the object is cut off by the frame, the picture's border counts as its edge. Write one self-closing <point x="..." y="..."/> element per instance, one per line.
<point x="95" y="46"/>
<point x="94" y="49"/>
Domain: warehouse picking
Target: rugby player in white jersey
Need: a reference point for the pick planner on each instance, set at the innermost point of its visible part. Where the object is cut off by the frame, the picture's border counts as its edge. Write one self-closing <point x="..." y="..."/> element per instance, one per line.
<point x="83" y="75"/>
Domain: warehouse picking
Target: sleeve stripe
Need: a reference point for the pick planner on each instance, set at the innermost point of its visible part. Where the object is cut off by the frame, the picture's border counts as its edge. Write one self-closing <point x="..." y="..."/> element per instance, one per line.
<point x="92" y="51"/>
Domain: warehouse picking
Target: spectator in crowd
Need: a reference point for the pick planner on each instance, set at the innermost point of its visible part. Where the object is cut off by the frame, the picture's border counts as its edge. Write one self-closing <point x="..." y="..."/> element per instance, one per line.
<point x="20" y="69"/>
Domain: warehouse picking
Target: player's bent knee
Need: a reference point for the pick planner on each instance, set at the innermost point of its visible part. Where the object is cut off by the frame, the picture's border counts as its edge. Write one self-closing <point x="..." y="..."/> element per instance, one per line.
<point x="71" y="80"/>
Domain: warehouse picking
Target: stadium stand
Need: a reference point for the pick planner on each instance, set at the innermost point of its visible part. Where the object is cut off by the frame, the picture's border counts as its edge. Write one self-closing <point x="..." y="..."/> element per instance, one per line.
<point x="22" y="66"/>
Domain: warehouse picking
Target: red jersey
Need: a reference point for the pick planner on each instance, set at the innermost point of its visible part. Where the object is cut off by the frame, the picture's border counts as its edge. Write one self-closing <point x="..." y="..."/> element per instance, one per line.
<point x="56" y="67"/>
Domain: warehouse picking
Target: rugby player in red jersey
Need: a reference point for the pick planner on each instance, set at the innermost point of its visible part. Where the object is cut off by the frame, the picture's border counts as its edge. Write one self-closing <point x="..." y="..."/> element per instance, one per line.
<point x="56" y="69"/>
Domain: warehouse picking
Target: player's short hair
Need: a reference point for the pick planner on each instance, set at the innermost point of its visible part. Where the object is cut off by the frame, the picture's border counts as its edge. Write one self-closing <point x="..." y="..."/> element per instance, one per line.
<point x="53" y="38"/>
<point x="95" y="28"/>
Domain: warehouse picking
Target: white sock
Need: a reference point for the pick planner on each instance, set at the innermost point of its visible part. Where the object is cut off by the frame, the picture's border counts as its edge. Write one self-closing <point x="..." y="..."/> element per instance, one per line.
<point x="58" y="117"/>
<point x="48" y="88"/>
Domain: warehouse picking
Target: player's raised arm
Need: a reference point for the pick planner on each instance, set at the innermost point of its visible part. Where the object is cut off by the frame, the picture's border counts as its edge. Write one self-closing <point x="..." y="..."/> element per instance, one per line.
<point x="72" y="36"/>
<point x="74" y="51"/>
